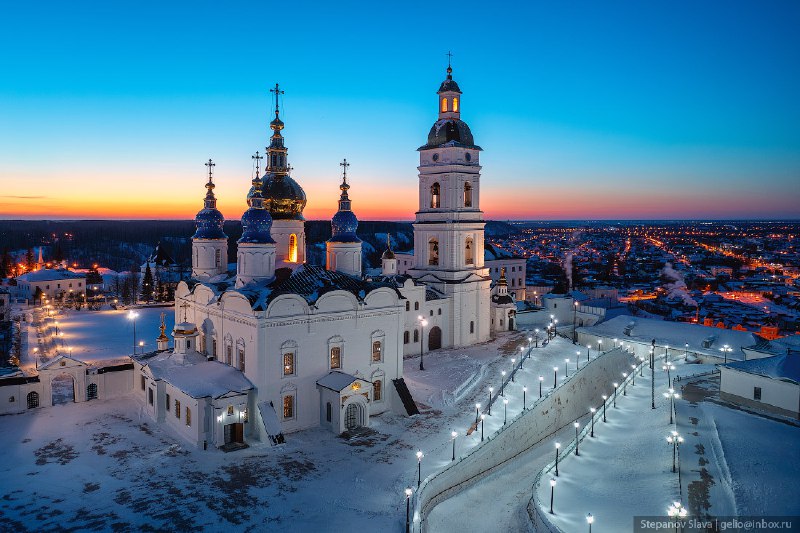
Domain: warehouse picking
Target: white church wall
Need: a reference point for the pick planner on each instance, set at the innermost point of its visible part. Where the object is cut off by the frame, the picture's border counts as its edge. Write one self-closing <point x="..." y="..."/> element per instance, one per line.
<point x="739" y="386"/>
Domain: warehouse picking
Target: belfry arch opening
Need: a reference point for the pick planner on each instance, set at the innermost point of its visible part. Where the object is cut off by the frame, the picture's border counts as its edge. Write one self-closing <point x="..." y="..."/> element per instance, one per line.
<point x="291" y="255"/>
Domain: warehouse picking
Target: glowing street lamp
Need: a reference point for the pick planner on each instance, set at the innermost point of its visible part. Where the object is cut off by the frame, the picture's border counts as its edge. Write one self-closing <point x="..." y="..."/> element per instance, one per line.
<point x="676" y="510"/>
<point x="666" y="368"/>
<point x="604" y="407"/>
<point x="599" y="342"/>
<point x="574" y="321"/>
<point x="552" y="490"/>
<point x="408" y="509"/>
<point x="422" y="323"/>
<point x="676" y="440"/>
<point x="454" y="435"/>
<point x="686" y="350"/>
<point x="524" y="394"/>
<point x="505" y="410"/>
<point x="420" y="455"/>
<point x="141" y="346"/>
<point x="615" y="394"/>
<point x="577" y="441"/>
<point x="633" y="375"/>
<point x="522" y="356"/>
<point x="624" y="383"/>
<point x="483" y="417"/>
<point x="726" y="350"/>
<point x="588" y="347"/>
<point x="541" y="380"/>
<point x="566" y="368"/>
<point x="536" y="336"/>
<point x="558" y="447"/>
<point x="672" y="395"/>
<point x="578" y="359"/>
<point x="477" y="412"/>
<point x="641" y="366"/>
<point x="513" y="361"/>
<point x="133" y="315"/>
<point x="555" y="377"/>
<point x="502" y="383"/>
<point x="592" y="410"/>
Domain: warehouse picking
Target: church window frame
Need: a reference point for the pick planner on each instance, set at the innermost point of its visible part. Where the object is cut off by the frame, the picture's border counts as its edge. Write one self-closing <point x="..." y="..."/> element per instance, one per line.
<point x="335" y="343"/>
<point x="472" y="326"/>
<point x="168" y="403"/>
<point x="376" y="352"/>
<point x="289" y="408"/>
<point x="241" y="355"/>
<point x="91" y="391"/>
<point x="214" y="347"/>
<point x="143" y="382"/>
<point x="150" y="396"/>
<point x="444" y="105"/>
<point x="416" y="335"/>
<point x="378" y="378"/>
<point x="32" y="400"/>
<point x="230" y="410"/>
<point x="289" y="359"/>
<point x="469" y="251"/>
<point x="217" y="257"/>
<point x="328" y="412"/>
<point x="467" y="194"/>
<point x="455" y="104"/>
<point x="436" y="195"/>
<point x="433" y="251"/>
<point x="178" y="409"/>
<point x="291" y="253"/>
<point x="335" y="357"/>
<point x="408" y="305"/>
<point x="188" y="417"/>
<point x="406" y="337"/>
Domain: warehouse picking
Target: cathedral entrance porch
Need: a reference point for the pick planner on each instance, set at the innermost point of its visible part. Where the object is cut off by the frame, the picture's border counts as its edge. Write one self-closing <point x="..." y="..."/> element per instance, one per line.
<point x="234" y="437"/>
<point x="344" y="402"/>
<point x="435" y="338"/>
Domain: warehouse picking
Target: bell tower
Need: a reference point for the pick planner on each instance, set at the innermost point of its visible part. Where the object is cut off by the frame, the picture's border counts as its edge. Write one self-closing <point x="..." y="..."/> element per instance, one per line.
<point x="209" y="242"/>
<point x="449" y="225"/>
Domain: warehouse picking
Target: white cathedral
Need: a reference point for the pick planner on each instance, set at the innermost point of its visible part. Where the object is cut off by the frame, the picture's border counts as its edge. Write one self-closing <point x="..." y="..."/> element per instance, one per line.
<point x="279" y="345"/>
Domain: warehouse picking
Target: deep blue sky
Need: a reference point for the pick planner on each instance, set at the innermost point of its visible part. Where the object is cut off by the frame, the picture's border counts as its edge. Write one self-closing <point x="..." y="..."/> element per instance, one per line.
<point x="586" y="110"/>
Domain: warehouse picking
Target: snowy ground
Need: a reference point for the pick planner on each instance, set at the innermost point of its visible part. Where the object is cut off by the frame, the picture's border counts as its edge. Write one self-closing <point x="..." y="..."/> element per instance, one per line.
<point x="108" y="334"/>
<point x="129" y="473"/>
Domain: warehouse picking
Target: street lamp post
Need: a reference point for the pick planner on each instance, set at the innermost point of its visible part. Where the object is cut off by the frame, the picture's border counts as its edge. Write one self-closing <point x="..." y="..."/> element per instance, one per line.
<point x="672" y="395"/>
<point x="604" y="407"/>
<point x="552" y="490"/>
<point x="524" y="398"/>
<point x="566" y="368"/>
<point x="536" y="337"/>
<point x="408" y="510"/>
<point x="615" y="394"/>
<point x="588" y="347"/>
<point x="513" y="362"/>
<point x="624" y="383"/>
<point x="483" y="417"/>
<point x="132" y="316"/>
<point x="422" y="324"/>
<point x="641" y="366"/>
<point x="726" y="350"/>
<point x="558" y="447"/>
<point x="592" y="410"/>
<point x="491" y="390"/>
<point x="578" y="359"/>
<point x="574" y="321"/>
<point x="652" y="380"/>
<point x="667" y="368"/>
<point x="477" y="413"/>
<point x="676" y="440"/>
<point x="686" y="351"/>
<point x="633" y="375"/>
<point x="419" y="467"/>
<point x="599" y="342"/>
<point x="555" y="377"/>
<point x="505" y="410"/>
<point x="577" y="441"/>
<point x="590" y="521"/>
<point x="541" y="380"/>
<point x="502" y="383"/>
<point x="454" y="435"/>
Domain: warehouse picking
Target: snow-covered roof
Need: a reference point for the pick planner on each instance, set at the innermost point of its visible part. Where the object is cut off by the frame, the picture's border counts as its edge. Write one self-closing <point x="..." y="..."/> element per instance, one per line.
<point x="782" y="367"/>
<point x="492" y="253"/>
<point x="197" y="377"/>
<point x="337" y="381"/>
<point x="50" y="275"/>
<point x="701" y="339"/>
<point x="60" y="358"/>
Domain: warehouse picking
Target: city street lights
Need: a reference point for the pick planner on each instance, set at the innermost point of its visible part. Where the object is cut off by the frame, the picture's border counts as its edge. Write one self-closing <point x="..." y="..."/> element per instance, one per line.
<point x="604" y="407"/>
<point x="686" y="351"/>
<point x="524" y="395"/>
<point x="502" y="382"/>
<point x="483" y="417"/>
<point x="676" y="510"/>
<point x="666" y="353"/>
<point x="454" y="435"/>
<point x="420" y="455"/>
<point x="577" y="441"/>
<point x="641" y="366"/>
<point x="566" y="368"/>
<point x="726" y="350"/>
<point x="588" y="347"/>
<point x="592" y="410"/>
<point x="133" y="315"/>
<point x="672" y="395"/>
<point x="590" y="521"/>
<point x="408" y="509"/>
<point x="633" y="375"/>
<point x="555" y="377"/>
<point x="666" y="368"/>
<point x="513" y="362"/>
<point x="615" y="394"/>
<point x="558" y="447"/>
<point x="652" y="378"/>
<point x="599" y="342"/>
<point x="541" y="380"/>
<point x="491" y="390"/>
<point x="536" y="337"/>
<point x="422" y="323"/>
<point x="552" y="490"/>
<point x="574" y="321"/>
<point x="505" y="410"/>
<point x="624" y="383"/>
<point x="676" y="440"/>
<point x="578" y="358"/>
<point x="522" y="355"/>
<point x="141" y="346"/>
<point x="477" y="413"/>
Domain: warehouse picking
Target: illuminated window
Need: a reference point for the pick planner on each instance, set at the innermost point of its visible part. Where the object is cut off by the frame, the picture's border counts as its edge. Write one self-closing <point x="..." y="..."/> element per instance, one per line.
<point x="435" y="195"/>
<point x="455" y="104"/>
<point x="241" y="359"/>
<point x="376" y="351"/>
<point x="245" y="415"/>
<point x="177" y="409"/>
<point x="188" y="417"/>
<point x="292" y="255"/>
<point x="444" y="105"/>
<point x="336" y="357"/>
<point x="288" y="406"/>
<point x="469" y="254"/>
<point x="288" y="364"/>
<point x="377" y="390"/>
<point x="467" y="195"/>
<point x="433" y="252"/>
<point x="33" y="400"/>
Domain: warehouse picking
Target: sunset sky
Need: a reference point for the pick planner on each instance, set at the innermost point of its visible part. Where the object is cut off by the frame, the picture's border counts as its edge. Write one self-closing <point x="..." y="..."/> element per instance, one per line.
<point x="585" y="110"/>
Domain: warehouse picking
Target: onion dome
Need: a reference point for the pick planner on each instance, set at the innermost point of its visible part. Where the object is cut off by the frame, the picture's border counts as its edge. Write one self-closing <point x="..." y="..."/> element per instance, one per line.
<point x="209" y="221"/>
<point x="388" y="253"/>
<point x="256" y="221"/>
<point x="449" y="85"/>
<point x="344" y="223"/>
<point x="450" y="130"/>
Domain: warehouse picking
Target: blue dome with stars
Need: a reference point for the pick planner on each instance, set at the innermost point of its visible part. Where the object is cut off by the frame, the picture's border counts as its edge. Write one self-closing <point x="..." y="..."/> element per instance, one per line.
<point x="343" y="227"/>
<point x="209" y="223"/>
<point x="256" y="223"/>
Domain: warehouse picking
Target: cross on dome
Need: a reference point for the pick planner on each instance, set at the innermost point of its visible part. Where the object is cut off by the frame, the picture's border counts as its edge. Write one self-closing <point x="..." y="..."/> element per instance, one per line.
<point x="344" y="164"/>
<point x="257" y="158"/>
<point x="210" y="164"/>
<point x="277" y="92"/>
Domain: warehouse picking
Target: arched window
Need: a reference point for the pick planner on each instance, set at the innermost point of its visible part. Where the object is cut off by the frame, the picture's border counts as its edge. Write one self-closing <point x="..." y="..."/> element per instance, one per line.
<point x="377" y="390"/>
<point x="288" y="358"/>
<point x="444" y="105"/>
<point x="291" y="256"/>
<point x="472" y="326"/>
<point x="405" y="337"/>
<point x="188" y="417"/>
<point x="416" y="306"/>
<point x="416" y="335"/>
<point x="467" y="194"/>
<point x="217" y="257"/>
<point x="240" y="354"/>
<point x="288" y="406"/>
<point x="91" y="391"/>
<point x="433" y="252"/>
<point x="436" y="196"/>
<point x="33" y="400"/>
<point x="455" y="104"/>
<point x="469" y="253"/>
<point x="377" y="351"/>
<point x="408" y="305"/>
<point x="336" y="357"/>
